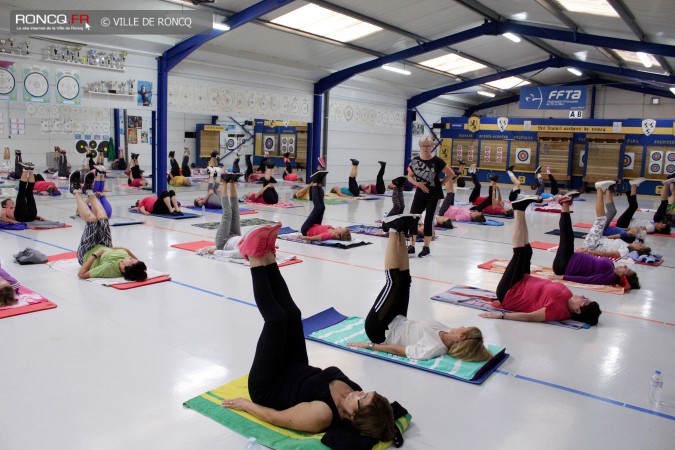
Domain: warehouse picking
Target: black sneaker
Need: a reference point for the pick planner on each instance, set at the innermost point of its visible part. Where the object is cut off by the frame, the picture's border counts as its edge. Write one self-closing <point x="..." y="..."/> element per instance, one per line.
<point x="537" y="170"/>
<point x="411" y="249"/>
<point x="511" y="168"/>
<point x="355" y="162"/>
<point x="522" y="203"/>
<point x="287" y="155"/>
<point x="384" y="163"/>
<point x="399" y="181"/>
<point x="172" y="154"/>
<point x="226" y="177"/>
<point x="425" y="252"/>
<point x="89" y="182"/>
<point x="318" y="176"/>
<point x="494" y="177"/>
<point x="27" y="165"/>
<point x="75" y="185"/>
<point x="179" y="212"/>
<point x="399" y="222"/>
<point x="461" y="162"/>
<point x="269" y="164"/>
<point x="17" y="152"/>
<point x="214" y="154"/>
<point x="235" y="176"/>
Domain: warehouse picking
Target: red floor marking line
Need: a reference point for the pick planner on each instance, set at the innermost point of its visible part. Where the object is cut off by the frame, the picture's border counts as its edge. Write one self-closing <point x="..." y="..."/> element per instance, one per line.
<point x="171" y="229"/>
<point x="640" y="318"/>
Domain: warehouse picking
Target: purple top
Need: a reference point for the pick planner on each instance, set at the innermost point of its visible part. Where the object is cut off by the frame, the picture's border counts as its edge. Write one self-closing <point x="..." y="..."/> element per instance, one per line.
<point x="589" y="269"/>
<point x="10" y="279"/>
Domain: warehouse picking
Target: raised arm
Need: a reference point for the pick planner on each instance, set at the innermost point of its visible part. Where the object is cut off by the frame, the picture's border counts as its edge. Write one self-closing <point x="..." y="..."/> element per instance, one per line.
<point x="393" y="349"/>
<point x="310" y="417"/>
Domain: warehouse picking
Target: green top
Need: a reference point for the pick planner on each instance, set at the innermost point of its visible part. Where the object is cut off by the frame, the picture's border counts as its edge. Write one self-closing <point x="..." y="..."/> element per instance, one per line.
<point x="108" y="264"/>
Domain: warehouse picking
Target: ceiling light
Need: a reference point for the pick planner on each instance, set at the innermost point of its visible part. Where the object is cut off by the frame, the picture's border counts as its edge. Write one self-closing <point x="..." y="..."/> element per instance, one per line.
<point x="672" y="89"/>
<point x="453" y="64"/>
<point x="511" y="37"/>
<point x="575" y="71"/>
<point x="221" y="26"/>
<point x="486" y="93"/>
<point x="396" y="69"/>
<point x="508" y="83"/>
<point x="644" y="59"/>
<point x="595" y="7"/>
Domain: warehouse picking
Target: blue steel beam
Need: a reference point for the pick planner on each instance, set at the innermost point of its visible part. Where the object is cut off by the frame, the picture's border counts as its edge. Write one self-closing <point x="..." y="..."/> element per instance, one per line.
<point x="628" y="73"/>
<point x="181" y="50"/>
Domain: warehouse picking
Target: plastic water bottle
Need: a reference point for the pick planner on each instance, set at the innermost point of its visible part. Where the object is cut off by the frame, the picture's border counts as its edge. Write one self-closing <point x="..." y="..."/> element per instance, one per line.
<point x="655" y="386"/>
<point x="252" y="444"/>
<point x="203" y="210"/>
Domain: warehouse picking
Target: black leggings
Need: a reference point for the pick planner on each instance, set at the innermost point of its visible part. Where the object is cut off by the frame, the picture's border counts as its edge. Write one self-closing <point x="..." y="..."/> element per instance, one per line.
<point x="175" y="169"/>
<point x="63" y="166"/>
<point x="448" y="201"/>
<point x="379" y="184"/>
<point x="475" y="193"/>
<point x="160" y="207"/>
<point x="249" y="167"/>
<point x="270" y="196"/>
<point x="281" y="342"/>
<point x="661" y="211"/>
<point x="235" y="165"/>
<point x="353" y="186"/>
<point x="392" y="301"/>
<point x="566" y="246"/>
<point x="518" y="267"/>
<point x="185" y="167"/>
<point x="289" y="167"/>
<point x="424" y="202"/>
<point x="513" y="195"/>
<point x="554" y="185"/>
<point x="624" y="219"/>
<point x="25" y="210"/>
<point x="136" y="172"/>
<point x="485" y="203"/>
<point x="316" y="216"/>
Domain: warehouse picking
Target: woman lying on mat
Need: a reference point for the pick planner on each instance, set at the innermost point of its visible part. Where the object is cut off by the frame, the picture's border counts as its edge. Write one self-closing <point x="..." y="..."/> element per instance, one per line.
<point x="96" y="255"/>
<point x="493" y="203"/>
<point x="211" y="200"/>
<point x="352" y="190"/>
<point x="448" y="212"/>
<point x="533" y="299"/>
<point x="288" y="169"/>
<point x="285" y="390"/>
<point x="661" y="222"/>
<point x="312" y="230"/>
<point x="162" y="204"/>
<point x="135" y="173"/>
<point x="581" y="267"/>
<point x="24" y="208"/>
<point x="595" y="243"/>
<point x="379" y="187"/>
<point x="387" y="324"/>
<point x="539" y="184"/>
<point x="9" y="289"/>
<point x="228" y="234"/>
<point x="268" y="194"/>
<point x="178" y="180"/>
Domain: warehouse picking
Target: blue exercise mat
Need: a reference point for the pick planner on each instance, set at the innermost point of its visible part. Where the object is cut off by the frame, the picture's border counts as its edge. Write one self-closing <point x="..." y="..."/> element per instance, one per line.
<point x="123" y="221"/>
<point x="332" y="328"/>
<point x="286" y="234"/>
<point x="169" y="216"/>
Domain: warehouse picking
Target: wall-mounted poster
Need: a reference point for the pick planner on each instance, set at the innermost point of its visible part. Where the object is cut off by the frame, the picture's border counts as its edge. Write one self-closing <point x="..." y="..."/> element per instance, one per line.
<point x="68" y="87"/>
<point x="7" y="80"/>
<point x="134" y="122"/>
<point x="669" y="168"/>
<point x="523" y="155"/>
<point x="144" y="137"/>
<point x="628" y="160"/>
<point x="655" y="165"/>
<point x="145" y="93"/>
<point x="133" y="136"/>
<point x="36" y="84"/>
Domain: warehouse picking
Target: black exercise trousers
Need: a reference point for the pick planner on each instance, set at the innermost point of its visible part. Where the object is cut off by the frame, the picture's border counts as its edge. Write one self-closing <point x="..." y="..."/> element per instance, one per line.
<point x="566" y="246"/>
<point x="518" y="267"/>
<point x="392" y="301"/>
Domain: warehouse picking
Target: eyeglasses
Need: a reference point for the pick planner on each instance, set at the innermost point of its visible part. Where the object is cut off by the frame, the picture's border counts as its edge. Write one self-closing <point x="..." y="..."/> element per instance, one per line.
<point x="358" y="400"/>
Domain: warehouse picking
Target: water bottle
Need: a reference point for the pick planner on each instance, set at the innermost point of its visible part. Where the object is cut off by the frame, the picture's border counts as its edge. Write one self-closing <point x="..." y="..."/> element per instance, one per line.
<point x="252" y="444"/>
<point x="655" y="386"/>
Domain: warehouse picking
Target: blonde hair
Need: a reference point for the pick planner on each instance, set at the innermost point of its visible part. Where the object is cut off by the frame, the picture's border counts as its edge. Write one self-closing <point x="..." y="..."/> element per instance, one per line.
<point x="425" y="139"/>
<point x="376" y="419"/>
<point x="346" y="235"/>
<point x="471" y="348"/>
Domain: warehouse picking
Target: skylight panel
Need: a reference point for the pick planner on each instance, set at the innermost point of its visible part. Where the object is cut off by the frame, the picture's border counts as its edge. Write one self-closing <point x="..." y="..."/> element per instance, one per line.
<point x="633" y="58"/>
<point x="594" y="7"/>
<point x="508" y="83"/>
<point x="324" y="22"/>
<point x="453" y="64"/>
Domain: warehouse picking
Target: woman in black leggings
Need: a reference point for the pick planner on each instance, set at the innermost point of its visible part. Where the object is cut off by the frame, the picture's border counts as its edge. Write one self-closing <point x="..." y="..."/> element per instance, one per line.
<point x="285" y="390"/>
<point x="662" y="221"/>
<point x="423" y="172"/>
<point x="312" y="229"/>
<point x="25" y="209"/>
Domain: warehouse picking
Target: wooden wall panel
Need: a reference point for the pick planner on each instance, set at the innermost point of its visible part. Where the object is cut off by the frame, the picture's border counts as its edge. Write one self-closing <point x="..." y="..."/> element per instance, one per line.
<point x="555" y="154"/>
<point x="578" y="169"/>
<point x="209" y="141"/>
<point x="466" y="146"/>
<point x="493" y="154"/>
<point x="603" y="161"/>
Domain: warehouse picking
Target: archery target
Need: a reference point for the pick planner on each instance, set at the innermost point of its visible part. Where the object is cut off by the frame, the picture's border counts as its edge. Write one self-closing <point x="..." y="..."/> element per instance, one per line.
<point x="669" y="168"/>
<point x="269" y="143"/>
<point x="628" y="160"/>
<point x="523" y="156"/>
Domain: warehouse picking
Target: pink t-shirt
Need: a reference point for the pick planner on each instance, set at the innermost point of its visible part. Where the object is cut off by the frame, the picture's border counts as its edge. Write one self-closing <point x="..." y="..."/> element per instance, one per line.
<point x="320" y="230"/>
<point x="148" y="203"/>
<point x="531" y="294"/>
<point x="42" y="186"/>
<point x="458" y="214"/>
<point x="136" y="182"/>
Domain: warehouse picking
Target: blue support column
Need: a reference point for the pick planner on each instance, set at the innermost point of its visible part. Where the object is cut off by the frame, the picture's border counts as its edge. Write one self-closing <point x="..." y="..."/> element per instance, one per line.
<point x="407" y="155"/>
<point x="153" y="148"/>
<point x="309" y="151"/>
<point x="159" y="175"/>
<point x="593" y="92"/>
<point x="317" y="122"/>
<point x="116" y="131"/>
<point x="214" y="120"/>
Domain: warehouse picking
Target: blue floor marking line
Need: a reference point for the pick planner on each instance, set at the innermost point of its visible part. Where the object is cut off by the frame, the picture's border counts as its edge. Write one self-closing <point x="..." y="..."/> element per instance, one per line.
<point x="37" y="240"/>
<point x="589" y="395"/>
<point x="236" y="300"/>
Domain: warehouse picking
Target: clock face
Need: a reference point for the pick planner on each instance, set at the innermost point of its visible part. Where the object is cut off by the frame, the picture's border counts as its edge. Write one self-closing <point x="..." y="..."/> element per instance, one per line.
<point x="68" y="87"/>
<point x="7" y="81"/>
<point x="36" y="84"/>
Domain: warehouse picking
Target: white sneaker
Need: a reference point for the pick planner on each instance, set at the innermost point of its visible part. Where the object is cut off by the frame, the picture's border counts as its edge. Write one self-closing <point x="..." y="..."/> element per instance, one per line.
<point x="604" y="185"/>
<point x="636" y="181"/>
<point x="472" y="168"/>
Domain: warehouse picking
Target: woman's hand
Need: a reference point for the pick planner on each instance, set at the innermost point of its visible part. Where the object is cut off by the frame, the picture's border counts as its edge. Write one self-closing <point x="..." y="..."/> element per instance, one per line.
<point x="359" y="344"/>
<point x="491" y="315"/>
<point x="99" y="253"/>
<point x="240" y="404"/>
<point x="422" y="186"/>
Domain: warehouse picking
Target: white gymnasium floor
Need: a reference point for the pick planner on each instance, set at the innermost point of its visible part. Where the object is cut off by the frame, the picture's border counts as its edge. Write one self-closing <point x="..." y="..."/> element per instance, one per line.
<point x="110" y="369"/>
